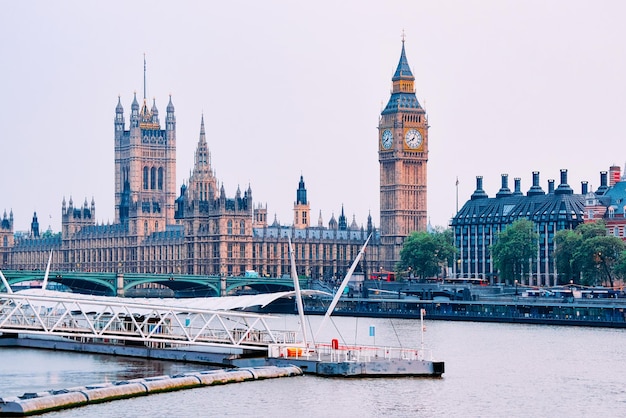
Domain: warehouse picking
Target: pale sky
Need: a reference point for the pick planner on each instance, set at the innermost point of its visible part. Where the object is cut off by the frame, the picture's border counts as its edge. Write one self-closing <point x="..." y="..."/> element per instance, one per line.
<point x="289" y="88"/>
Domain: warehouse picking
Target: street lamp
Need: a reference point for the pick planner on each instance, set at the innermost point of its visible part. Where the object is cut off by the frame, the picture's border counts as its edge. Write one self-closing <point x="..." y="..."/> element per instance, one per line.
<point x="515" y="287"/>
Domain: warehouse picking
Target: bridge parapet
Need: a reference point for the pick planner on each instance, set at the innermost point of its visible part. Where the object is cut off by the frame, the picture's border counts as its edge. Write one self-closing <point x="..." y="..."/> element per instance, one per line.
<point x="119" y="284"/>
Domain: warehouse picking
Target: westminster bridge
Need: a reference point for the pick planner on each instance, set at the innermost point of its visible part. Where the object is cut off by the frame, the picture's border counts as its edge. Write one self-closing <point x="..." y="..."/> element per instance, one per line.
<point x="138" y="284"/>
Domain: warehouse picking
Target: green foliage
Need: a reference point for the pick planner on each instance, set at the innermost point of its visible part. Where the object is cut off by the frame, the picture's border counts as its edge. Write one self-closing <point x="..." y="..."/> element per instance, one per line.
<point x="591" y="229"/>
<point x="620" y="266"/>
<point x="515" y="249"/>
<point x="425" y="253"/>
<point x="50" y="234"/>
<point x="598" y="256"/>
<point x="588" y="256"/>
<point x="567" y="243"/>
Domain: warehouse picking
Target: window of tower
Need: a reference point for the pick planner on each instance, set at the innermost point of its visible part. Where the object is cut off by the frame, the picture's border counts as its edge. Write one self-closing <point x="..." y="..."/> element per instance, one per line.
<point x="160" y="182"/>
<point x="229" y="227"/>
<point x="153" y="178"/>
<point x="145" y="178"/>
<point x="242" y="228"/>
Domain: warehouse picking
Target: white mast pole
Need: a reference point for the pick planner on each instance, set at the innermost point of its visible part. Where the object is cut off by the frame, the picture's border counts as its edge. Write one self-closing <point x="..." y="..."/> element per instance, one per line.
<point x="45" y="277"/>
<point x="296" y="285"/>
<point x="5" y="282"/>
<point x="422" y="329"/>
<point x="343" y="285"/>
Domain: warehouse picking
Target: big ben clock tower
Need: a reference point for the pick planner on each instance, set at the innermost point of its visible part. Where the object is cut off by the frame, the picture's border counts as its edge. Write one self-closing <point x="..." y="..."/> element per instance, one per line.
<point x="402" y="154"/>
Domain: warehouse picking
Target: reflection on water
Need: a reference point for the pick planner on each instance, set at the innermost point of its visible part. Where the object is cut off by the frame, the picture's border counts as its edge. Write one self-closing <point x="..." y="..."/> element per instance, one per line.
<point x="32" y="370"/>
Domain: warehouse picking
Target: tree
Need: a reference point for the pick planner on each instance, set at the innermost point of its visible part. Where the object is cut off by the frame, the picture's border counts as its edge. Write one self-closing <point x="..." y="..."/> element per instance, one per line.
<point x="620" y="266"/>
<point x="423" y="253"/>
<point x="588" y="256"/>
<point x="591" y="229"/>
<point x="515" y="249"/>
<point x="568" y="264"/>
<point x="598" y="256"/>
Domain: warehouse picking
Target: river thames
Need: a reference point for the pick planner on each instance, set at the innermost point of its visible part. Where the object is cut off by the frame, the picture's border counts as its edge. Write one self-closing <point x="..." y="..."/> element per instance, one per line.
<point x="492" y="370"/>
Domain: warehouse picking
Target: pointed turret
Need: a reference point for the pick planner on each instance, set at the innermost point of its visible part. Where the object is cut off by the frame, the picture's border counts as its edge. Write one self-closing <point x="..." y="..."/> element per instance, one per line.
<point x="343" y="222"/>
<point x="170" y="119"/>
<point x="119" y="108"/>
<point x="301" y="207"/>
<point x="403" y="88"/>
<point x="403" y="71"/>
<point x="354" y="225"/>
<point x="203" y="156"/>
<point x="202" y="181"/>
<point x="34" y="226"/>
<point x="301" y="193"/>
<point x="332" y="224"/>
<point x="155" y="113"/>
<point x="119" y="118"/>
<point x="134" y="112"/>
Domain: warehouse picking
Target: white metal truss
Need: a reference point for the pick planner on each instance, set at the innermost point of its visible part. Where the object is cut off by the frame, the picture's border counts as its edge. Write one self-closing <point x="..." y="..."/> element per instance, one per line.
<point x="115" y="321"/>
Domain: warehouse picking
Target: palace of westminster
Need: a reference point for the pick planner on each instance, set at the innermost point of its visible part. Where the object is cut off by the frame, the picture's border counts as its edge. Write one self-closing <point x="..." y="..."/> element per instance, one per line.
<point x="199" y="230"/>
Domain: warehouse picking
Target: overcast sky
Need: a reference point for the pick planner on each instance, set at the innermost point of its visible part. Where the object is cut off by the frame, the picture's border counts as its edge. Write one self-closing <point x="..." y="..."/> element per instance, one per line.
<point x="289" y="88"/>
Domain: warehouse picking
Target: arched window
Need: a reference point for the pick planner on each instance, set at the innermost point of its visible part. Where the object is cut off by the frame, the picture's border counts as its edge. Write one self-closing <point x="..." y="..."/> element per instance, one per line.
<point x="5" y="241"/>
<point x="242" y="228"/>
<point x="153" y="178"/>
<point x="229" y="227"/>
<point x="145" y="178"/>
<point x="160" y="182"/>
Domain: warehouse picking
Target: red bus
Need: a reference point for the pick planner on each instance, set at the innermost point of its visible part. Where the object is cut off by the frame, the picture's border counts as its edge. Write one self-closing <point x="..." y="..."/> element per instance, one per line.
<point x="383" y="275"/>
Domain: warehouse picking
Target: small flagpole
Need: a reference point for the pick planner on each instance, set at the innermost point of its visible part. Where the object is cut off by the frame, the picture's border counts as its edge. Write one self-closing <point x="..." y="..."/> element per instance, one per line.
<point x="457" y="194"/>
<point x="422" y="329"/>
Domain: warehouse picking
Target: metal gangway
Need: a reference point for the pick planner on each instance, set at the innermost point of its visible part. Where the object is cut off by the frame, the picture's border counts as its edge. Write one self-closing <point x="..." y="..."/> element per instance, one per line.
<point x="150" y="323"/>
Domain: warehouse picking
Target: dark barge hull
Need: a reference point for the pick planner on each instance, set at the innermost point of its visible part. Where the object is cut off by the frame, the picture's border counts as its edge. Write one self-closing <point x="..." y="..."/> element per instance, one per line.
<point x="578" y="313"/>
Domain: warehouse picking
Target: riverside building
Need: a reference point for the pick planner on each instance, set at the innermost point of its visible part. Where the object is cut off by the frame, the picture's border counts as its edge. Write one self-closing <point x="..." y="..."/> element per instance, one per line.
<point x="202" y="230"/>
<point x="481" y="218"/>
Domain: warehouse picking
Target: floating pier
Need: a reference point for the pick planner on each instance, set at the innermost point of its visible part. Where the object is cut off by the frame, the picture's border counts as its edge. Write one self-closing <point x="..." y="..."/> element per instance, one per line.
<point x="40" y="402"/>
<point x="334" y="360"/>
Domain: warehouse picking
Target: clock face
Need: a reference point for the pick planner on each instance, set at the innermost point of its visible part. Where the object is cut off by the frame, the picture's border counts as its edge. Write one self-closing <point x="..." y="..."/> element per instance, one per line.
<point x="413" y="138"/>
<point x="386" y="139"/>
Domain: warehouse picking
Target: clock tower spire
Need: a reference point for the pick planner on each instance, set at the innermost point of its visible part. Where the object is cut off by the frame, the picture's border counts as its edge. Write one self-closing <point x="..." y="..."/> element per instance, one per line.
<point x="403" y="155"/>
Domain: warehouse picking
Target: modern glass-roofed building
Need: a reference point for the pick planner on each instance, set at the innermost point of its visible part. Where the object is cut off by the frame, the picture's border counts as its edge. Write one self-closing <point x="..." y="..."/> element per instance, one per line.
<point x="478" y="222"/>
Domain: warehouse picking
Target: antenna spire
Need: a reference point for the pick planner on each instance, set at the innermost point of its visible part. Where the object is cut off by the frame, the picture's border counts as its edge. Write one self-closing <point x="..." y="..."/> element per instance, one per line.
<point x="144" y="76"/>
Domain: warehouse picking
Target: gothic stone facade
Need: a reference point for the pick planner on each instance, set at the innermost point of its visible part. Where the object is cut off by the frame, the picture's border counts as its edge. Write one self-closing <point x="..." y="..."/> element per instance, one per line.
<point x="202" y="231"/>
<point x="402" y="154"/>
